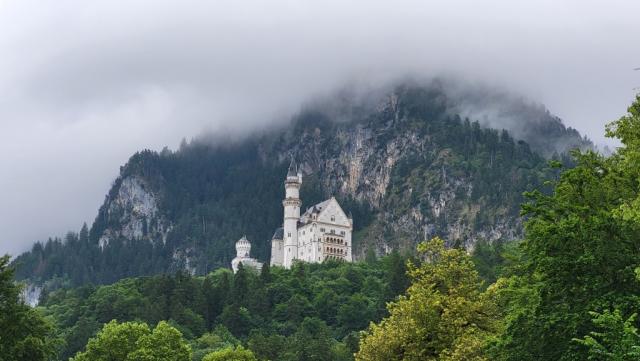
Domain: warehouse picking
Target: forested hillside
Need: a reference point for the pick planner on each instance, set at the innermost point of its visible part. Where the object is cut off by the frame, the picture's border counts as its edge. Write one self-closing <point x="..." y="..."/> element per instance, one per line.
<point x="277" y="314"/>
<point x="569" y="291"/>
<point x="403" y="161"/>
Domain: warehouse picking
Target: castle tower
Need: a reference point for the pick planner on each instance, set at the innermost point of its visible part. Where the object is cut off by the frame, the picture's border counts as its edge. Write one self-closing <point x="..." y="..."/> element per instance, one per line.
<point x="291" y="205"/>
<point x="243" y="255"/>
<point x="243" y="248"/>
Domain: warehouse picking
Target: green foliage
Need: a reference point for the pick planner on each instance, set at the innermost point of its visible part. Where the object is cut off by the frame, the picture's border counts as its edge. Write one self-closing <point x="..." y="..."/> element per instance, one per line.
<point x="444" y="316"/>
<point x="580" y="256"/>
<point x="617" y="339"/>
<point x="278" y="314"/>
<point x="493" y="260"/>
<point x="219" y="338"/>
<point x="165" y="343"/>
<point x="133" y="341"/>
<point x="24" y="333"/>
<point x="114" y="342"/>
<point x="231" y="354"/>
<point x="311" y="342"/>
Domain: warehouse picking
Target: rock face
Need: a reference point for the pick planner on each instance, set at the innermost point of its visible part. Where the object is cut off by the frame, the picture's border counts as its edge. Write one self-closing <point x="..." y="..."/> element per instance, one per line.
<point x="134" y="211"/>
<point x="31" y="294"/>
<point x="362" y="159"/>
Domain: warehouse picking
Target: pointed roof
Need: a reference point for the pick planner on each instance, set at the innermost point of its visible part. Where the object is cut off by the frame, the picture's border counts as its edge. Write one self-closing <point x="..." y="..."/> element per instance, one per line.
<point x="243" y="240"/>
<point x="319" y="208"/>
<point x="278" y="234"/>
<point x="293" y="168"/>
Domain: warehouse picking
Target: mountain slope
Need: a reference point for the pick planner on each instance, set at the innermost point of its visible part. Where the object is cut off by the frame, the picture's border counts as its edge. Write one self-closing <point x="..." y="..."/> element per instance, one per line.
<point x="402" y="160"/>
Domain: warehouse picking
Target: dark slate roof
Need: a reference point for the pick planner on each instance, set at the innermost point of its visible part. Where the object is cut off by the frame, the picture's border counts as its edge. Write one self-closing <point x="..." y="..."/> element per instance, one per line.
<point x="316" y="208"/>
<point x="278" y="234"/>
<point x="306" y="216"/>
<point x="293" y="168"/>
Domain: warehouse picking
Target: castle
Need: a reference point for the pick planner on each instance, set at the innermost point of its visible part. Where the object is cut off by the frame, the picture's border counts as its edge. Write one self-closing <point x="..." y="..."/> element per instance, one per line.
<point x="323" y="232"/>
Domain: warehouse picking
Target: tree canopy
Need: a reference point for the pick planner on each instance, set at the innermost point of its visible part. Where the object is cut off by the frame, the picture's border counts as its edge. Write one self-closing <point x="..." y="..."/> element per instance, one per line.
<point x="24" y="333"/>
<point x="444" y="316"/>
<point x="134" y="341"/>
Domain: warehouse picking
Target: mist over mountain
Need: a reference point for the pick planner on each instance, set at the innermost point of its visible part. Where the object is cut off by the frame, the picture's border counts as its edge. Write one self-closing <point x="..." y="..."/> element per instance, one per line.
<point x="491" y="106"/>
<point x="409" y="161"/>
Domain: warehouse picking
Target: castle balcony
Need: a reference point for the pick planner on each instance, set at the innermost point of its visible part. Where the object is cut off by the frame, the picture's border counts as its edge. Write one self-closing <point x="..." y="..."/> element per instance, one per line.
<point x="292" y="181"/>
<point x="334" y="240"/>
<point x="292" y="202"/>
<point x="334" y="247"/>
<point x="335" y="251"/>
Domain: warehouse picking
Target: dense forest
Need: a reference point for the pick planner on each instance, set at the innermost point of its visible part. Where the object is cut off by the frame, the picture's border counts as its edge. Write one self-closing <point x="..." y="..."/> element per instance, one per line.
<point x="312" y="309"/>
<point x="570" y="290"/>
<point x="405" y="164"/>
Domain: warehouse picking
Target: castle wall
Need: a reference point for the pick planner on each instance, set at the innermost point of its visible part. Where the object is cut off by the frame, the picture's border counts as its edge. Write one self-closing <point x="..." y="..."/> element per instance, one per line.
<point x="277" y="252"/>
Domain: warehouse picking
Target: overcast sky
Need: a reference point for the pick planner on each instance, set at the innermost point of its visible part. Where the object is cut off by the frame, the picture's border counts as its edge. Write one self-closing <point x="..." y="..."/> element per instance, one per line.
<point x="84" y="84"/>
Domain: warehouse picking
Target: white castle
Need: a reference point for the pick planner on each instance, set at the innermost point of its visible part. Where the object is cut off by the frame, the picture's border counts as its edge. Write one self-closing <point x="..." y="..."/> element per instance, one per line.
<point x="323" y="232"/>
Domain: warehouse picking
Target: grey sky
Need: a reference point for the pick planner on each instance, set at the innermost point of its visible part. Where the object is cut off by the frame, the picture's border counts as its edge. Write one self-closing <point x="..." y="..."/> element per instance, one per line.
<point x="84" y="84"/>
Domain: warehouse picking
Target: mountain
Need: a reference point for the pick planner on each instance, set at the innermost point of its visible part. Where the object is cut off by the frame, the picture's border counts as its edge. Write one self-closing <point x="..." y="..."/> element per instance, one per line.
<point x="406" y="161"/>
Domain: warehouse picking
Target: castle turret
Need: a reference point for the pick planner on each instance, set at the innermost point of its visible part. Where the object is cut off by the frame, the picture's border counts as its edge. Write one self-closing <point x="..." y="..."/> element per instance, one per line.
<point x="243" y="248"/>
<point x="291" y="205"/>
<point x="243" y="251"/>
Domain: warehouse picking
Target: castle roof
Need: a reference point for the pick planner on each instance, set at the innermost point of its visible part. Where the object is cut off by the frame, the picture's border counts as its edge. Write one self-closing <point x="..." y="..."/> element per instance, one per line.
<point x="278" y="234"/>
<point x="293" y="168"/>
<point x="316" y="208"/>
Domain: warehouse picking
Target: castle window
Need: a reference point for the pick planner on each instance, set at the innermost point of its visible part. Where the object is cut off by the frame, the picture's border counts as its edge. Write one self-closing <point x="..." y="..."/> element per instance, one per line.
<point x="289" y="234"/>
<point x="321" y="229"/>
<point x="333" y="218"/>
<point x="342" y="233"/>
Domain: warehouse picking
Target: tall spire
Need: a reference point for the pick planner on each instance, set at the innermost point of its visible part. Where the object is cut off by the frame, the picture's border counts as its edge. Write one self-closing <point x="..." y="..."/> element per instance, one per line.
<point x="293" y="168"/>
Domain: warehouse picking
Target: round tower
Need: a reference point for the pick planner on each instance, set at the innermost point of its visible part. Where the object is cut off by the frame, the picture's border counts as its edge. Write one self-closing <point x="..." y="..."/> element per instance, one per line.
<point x="243" y="248"/>
<point x="291" y="205"/>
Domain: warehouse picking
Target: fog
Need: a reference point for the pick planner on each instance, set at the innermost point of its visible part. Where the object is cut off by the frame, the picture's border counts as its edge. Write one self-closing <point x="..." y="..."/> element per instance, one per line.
<point x="84" y="84"/>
